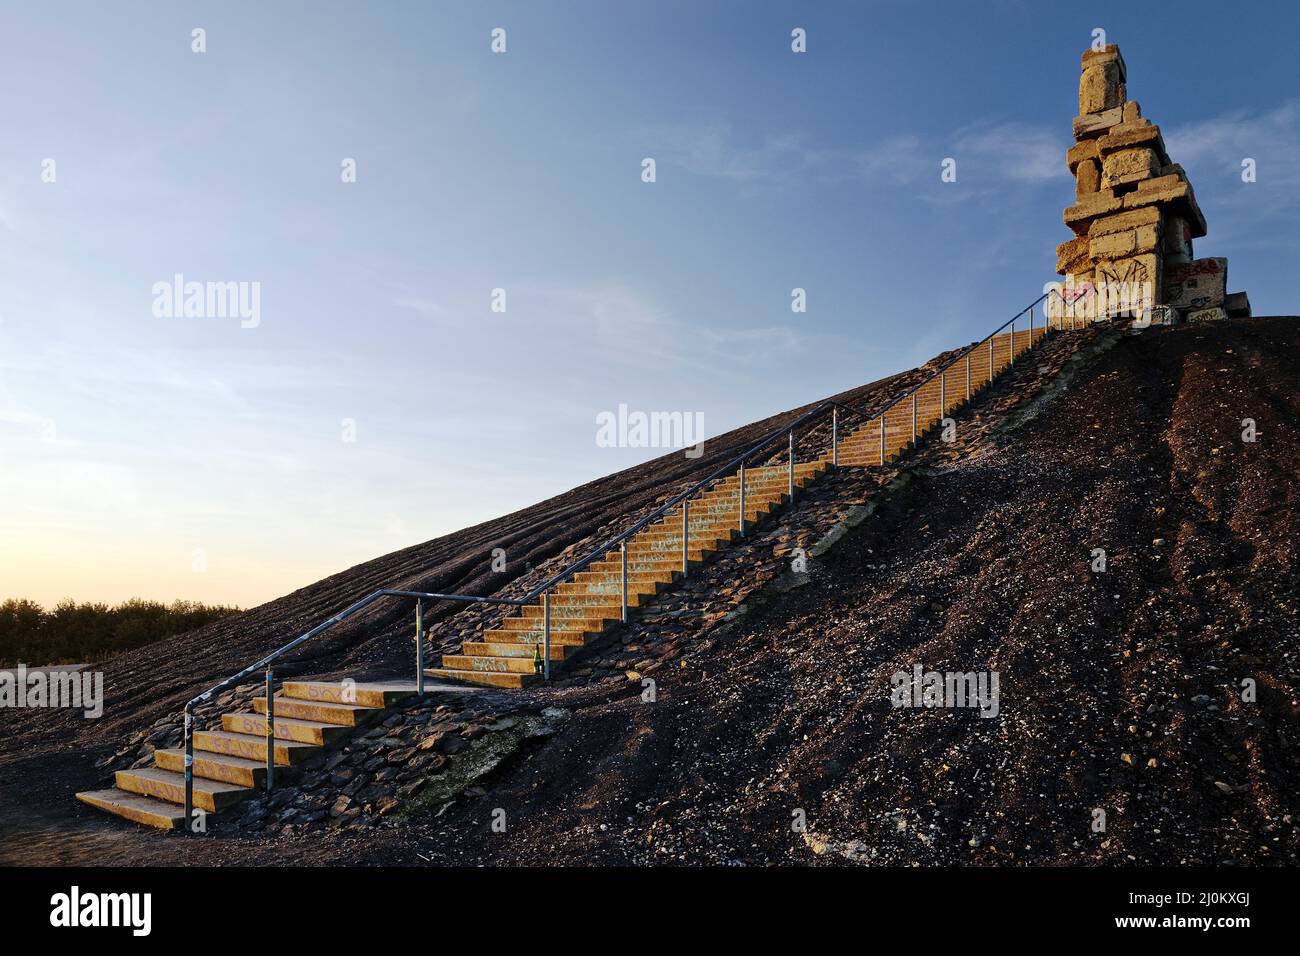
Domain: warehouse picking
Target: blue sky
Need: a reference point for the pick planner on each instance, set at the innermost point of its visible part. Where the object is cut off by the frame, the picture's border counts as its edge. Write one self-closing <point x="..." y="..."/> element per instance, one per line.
<point x="175" y="457"/>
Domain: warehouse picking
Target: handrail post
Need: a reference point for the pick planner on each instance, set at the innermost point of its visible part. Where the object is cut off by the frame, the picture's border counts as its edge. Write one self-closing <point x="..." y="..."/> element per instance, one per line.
<point x="270" y="729"/>
<point x="913" y="419"/>
<point x="943" y="393"/>
<point x="742" y="498"/>
<point x="623" y="548"/>
<point x="686" y="536"/>
<point x="1031" y="326"/>
<point x="791" y="463"/>
<point x="835" y="437"/>
<point x="1012" y="357"/>
<point x="546" y="635"/>
<point x="189" y="768"/>
<point x="991" y="338"/>
<point x="968" y="376"/>
<point x="882" y="439"/>
<point x="419" y="645"/>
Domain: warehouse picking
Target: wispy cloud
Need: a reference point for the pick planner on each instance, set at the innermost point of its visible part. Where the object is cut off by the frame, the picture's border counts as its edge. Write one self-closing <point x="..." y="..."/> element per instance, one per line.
<point x="1014" y="151"/>
<point x="713" y="151"/>
<point x="1002" y="152"/>
<point x="1271" y="138"/>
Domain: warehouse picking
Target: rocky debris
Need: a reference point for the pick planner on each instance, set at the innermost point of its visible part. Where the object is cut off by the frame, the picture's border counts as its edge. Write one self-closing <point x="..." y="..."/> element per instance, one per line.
<point x="1134" y="218"/>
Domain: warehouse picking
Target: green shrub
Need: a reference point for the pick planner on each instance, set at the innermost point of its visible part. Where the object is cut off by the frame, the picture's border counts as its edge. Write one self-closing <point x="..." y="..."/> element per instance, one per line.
<point x="87" y="633"/>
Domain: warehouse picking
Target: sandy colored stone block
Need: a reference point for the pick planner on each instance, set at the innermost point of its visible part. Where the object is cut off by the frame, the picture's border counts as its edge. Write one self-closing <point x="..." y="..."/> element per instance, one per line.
<point x="1128" y="166"/>
<point x="1121" y="245"/>
<point x="1119" y="138"/>
<point x="1100" y="88"/>
<point x="1107" y="54"/>
<point x="1101" y="203"/>
<point x="1128" y="286"/>
<point x="1177" y="198"/>
<point x="1199" y="284"/>
<point x="1088" y="179"/>
<point x="1122" y="221"/>
<point x="1084" y="150"/>
<point x="1072" y="256"/>
<point x="1132" y="111"/>
<point x="1096" y="124"/>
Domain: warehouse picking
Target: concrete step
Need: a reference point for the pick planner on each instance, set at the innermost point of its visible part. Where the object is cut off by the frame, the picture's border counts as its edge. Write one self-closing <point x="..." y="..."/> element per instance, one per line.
<point x="573" y="639"/>
<point x="211" y="795"/>
<point x="517" y="649"/>
<point x="210" y="766"/>
<point x="668" y="564"/>
<point x="249" y="747"/>
<point x="484" y="678"/>
<point x="642" y="582"/>
<point x="370" y="694"/>
<point x="580" y="627"/>
<point x="286" y="728"/>
<point x="481" y="662"/>
<point x="581" y="617"/>
<point x="136" y="807"/>
<point x="321" y="711"/>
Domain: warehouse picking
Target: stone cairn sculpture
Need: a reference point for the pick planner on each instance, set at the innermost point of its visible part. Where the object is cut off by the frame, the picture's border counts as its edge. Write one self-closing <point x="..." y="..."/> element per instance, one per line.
<point x="1134" y="218"/>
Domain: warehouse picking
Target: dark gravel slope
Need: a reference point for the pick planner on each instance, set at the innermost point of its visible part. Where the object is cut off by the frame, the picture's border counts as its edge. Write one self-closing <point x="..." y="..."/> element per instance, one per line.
<point x="1119" y="691"/>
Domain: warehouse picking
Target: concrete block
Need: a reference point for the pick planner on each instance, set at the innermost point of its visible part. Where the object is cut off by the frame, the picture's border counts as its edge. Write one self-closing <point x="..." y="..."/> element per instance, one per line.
<point x="1080" y="151"/>
<point x="1132" y="137"/>
<point x="1237" y="305"/>
<point x="1216" y="314"/>
<point x="1107" y="54"/>
<point x="1199" y="284"/>
<point x="1177" y="245"/>
<point x="1088" y="179"/>
<point x="1121" y="245"/>
<point x="1128" y="166"/>
<point x="1128" y="286"/>
<point x="1097" y="124"/>
<point x="1122" y="221"/>
<point x="1072" y="256"/>
<point x="1101" y="203"/>
<point x="1100" y="88"/>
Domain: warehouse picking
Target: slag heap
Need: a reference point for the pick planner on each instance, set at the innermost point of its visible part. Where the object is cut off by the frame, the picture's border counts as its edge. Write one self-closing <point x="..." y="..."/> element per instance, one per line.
<point x="1134" y="217"/>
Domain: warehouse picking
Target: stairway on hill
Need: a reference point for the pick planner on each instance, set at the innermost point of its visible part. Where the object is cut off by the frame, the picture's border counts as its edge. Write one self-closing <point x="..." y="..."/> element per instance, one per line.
<point x="230" y="764"/>
<point x="510" y="654"/>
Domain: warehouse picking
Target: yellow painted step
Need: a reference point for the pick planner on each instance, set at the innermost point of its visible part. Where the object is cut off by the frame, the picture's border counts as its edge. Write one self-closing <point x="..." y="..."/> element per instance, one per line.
<point x="485" y="678"/>
<point x="135" y="807"/>
<point x="210" y="766"/>
<point x="368" y="694"/>
<point x="573" y="639"/>
<point x="519" y="649"/>
<point x="212" y="795"/>
<point x="473" y="662"/>
<point x="287" y="752"/>
<point x="306" y="731"/>
<point x="321" y="711"/>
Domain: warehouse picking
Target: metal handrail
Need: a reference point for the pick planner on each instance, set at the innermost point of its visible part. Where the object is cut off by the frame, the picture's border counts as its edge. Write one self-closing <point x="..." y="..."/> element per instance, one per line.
<point x="543" y="589"/>
<point x="275" y="655"/>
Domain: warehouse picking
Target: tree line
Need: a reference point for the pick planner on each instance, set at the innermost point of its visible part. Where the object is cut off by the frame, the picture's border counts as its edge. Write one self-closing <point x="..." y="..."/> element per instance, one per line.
<point x="72" y="633"/>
